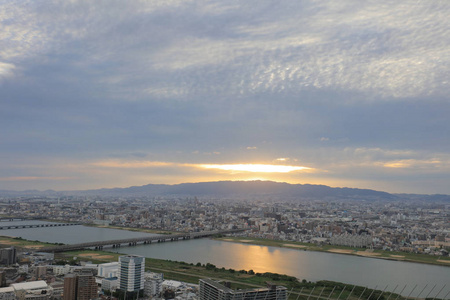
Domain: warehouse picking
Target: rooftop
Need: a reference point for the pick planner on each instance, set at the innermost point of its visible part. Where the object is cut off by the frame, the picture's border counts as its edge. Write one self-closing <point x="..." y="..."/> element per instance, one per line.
<point x="32" y="285"/>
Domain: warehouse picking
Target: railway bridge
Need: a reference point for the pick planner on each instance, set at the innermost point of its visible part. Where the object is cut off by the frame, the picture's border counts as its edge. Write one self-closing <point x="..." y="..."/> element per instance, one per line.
<point x="37" y="225"/>
<point x="135" y="241"/>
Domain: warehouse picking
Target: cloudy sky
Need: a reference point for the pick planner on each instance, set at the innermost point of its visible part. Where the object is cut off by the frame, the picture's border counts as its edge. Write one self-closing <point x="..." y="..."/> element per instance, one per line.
<point x="110" y="93"/>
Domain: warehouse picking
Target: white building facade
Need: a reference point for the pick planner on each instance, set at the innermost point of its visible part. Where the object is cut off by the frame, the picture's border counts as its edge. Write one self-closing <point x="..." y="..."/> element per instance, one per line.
<point x="7" y="293"/>
<point x="152" y="284"/>
<point x="108" y="270"/>
<point x="131" y="273"/>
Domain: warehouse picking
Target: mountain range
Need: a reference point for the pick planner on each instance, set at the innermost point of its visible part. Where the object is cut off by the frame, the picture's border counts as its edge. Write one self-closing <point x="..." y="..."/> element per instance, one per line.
<point x="236" y="190"/>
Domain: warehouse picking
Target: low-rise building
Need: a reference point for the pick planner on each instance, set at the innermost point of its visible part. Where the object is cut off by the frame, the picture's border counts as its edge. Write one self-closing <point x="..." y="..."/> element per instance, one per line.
<point x="33" y="290"/>
<point x="210" y="289"/>
<point x="108" y="270"/>
<point x="153" y="283"/>
<point x="110" y="284"/>
<point x="7" y="293"/>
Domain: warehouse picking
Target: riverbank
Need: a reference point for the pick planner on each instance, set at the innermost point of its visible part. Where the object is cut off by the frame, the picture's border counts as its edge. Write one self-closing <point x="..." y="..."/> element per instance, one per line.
<point x="240" y="279"/>
<point x="155" y="231"/>
<point x="17" y="242"/>
<point x="380" y="254"/>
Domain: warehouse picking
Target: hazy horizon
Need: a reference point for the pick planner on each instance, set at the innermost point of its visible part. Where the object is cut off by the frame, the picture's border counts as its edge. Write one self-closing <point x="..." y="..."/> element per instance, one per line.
<point x="219" y="181"/>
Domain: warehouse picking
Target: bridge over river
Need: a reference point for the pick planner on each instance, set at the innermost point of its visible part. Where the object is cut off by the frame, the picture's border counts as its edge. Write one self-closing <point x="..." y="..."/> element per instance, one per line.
<point x="37" y="225"/>
<point x="142" y="240"/>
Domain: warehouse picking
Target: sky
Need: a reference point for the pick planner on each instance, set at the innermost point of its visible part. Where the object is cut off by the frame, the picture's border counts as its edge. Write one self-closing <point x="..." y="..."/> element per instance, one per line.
<point x="101" y="94"/>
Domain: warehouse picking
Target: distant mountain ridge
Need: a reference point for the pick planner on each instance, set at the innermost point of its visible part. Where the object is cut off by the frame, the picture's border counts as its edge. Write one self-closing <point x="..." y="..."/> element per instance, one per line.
<point x="238" y="189"/>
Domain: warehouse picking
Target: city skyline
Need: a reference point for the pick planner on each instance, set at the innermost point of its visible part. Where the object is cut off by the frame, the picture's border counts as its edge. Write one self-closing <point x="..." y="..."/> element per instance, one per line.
<point x="103" y="95"/>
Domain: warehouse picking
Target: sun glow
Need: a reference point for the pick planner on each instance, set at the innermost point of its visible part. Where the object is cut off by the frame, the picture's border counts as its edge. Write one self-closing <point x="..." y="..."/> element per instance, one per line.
<point x="256" y="168"/>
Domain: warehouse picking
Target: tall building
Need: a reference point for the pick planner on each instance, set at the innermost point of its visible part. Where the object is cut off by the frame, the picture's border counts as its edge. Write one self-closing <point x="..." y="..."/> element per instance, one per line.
<point x="2" y="279"/>
<point x="70" y="287"/>
<point x="87" y="287"/>
<point x="210" y="289"/>
<point x="80" y="286"/>
<point x="131" y="273"/>
<point x="7" y="256"/>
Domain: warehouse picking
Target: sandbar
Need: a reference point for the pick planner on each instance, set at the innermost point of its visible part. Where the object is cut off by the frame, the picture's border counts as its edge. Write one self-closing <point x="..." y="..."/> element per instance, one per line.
<point x="365" y="253"/>
<point x="343" y="251"/>
<point x="444" y="261"/>
<point x="296" y="246"/>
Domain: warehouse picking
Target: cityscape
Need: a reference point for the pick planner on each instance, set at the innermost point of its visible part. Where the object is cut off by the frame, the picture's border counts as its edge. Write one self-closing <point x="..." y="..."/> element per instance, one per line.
<point x="408" y="226"/>
<point x="408" y="231"/>
<point x="224" y="150"/>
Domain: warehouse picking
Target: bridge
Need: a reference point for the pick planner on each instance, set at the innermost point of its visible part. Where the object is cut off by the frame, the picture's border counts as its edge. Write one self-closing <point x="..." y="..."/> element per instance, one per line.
<point x="18" y="218"/>
<point x="37" y="225"/>
<point x="142" y="240"/>
<point x="10" y="219"/>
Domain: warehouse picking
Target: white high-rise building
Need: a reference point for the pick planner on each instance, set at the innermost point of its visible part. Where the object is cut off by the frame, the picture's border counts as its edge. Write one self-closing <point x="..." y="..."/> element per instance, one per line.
<point x="131" y="273"/>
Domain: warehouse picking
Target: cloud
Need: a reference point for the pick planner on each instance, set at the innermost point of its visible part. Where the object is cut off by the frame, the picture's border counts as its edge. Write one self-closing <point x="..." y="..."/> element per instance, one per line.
<point x="413" y="163"/>
<point x="387" y="161"/>
<point x="6" y="70"/>
<point x="355" y="88"/>
<point x="262" y="168"/>
<point x="32" y="178"/>
<point x="130" y="164"/>
<point x="256" y="168"/>
<point x="222" y="48"/>
<point x="360" y="47"/>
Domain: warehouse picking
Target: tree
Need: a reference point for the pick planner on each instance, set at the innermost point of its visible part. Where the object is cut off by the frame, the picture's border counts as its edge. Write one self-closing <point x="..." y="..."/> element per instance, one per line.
<point x="169" y="294"/>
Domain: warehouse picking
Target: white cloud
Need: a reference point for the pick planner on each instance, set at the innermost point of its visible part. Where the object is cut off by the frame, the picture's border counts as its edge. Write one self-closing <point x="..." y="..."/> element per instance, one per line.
<point x="6" y="70"/>
<point x="372" y="159"/>
<point x="393" y="50"/>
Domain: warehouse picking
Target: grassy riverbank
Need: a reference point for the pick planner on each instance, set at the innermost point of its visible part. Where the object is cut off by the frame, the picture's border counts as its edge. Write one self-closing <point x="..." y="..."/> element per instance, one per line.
<point x="18" y="242"/>
<point x="400" y="256"/>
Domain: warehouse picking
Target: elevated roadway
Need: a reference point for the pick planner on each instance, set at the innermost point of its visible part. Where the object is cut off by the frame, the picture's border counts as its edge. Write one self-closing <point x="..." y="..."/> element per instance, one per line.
<point x="134" y="241"/>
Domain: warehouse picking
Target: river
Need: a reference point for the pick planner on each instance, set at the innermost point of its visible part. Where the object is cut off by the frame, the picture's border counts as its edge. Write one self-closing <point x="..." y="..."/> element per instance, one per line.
<point x="312" y="266"/>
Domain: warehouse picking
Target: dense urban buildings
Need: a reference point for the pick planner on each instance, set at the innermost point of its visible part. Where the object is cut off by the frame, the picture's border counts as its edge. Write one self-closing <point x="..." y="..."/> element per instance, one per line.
<point x="83" y="282"/>
<point x="409" y="225"/>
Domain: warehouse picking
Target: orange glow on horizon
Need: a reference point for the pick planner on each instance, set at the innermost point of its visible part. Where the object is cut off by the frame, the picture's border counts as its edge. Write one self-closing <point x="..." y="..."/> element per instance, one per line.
<point x="256" y="168"/>
<point x="253" y="168"/>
